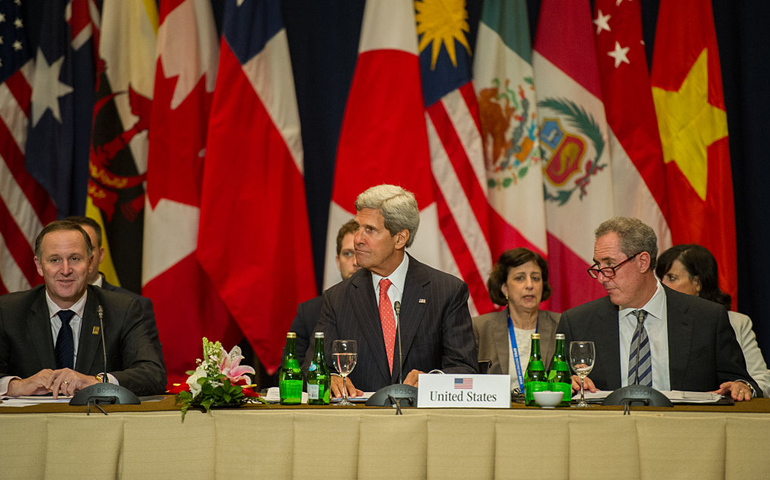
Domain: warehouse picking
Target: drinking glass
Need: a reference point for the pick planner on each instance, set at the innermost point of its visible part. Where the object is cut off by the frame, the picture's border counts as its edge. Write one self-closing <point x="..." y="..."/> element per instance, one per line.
<point x="581" y="357"/>
<point x="345" y="354"/>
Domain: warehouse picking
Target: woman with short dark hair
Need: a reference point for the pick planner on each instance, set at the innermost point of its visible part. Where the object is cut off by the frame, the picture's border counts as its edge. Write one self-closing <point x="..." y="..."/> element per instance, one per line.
<point x="693" y="270"/>
<point x="519" y="281"/>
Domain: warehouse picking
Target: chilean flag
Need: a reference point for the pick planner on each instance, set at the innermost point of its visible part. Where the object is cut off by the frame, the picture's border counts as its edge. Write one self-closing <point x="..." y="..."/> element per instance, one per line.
<point x="254" y="236"/>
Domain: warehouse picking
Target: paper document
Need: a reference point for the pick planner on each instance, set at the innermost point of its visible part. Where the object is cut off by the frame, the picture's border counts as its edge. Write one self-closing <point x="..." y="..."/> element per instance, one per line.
<point x="26" y="401"/>
<point x="676" y="396"/>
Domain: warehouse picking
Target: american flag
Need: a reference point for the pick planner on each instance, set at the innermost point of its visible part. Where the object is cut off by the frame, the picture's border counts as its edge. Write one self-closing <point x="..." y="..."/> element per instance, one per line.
<point x="463" y="383"/>
<point x="24" y="206"/>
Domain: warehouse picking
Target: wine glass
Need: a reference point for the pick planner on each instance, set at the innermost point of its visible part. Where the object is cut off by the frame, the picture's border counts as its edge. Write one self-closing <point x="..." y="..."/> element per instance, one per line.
<point x="345" y="353"/>
<point x="581" y="357"/>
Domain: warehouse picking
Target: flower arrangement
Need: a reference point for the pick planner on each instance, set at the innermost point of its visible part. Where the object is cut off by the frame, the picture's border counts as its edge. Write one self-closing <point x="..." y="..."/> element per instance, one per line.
<point x="219" y="380"/>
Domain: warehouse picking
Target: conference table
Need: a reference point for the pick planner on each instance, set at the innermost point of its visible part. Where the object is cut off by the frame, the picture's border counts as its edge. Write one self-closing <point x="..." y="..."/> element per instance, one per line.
<point x="150" y="441"/>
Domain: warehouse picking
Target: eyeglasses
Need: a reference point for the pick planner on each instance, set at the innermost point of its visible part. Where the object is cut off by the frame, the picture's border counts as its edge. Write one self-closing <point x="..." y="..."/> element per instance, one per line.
<point x="609" y="272"/>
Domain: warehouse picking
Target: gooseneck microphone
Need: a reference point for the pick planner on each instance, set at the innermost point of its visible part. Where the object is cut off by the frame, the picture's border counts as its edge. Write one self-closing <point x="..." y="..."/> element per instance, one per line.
<point x="100" y="311"/>
<point x="393" y="395"/>
<point x="397" y="308"/>
<point x="103" y="392"/>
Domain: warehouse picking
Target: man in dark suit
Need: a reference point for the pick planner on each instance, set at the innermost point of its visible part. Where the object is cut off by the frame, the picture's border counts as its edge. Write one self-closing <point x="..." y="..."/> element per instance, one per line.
<point x="437" y="332"/>
<point x="309" y="312"/>
<point x="96" y="277"/>
<point x="645" y="333"/>
<point x="50" y="339"/>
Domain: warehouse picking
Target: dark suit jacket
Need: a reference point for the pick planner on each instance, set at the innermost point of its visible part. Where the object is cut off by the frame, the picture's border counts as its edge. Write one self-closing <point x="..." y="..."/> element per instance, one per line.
<point x="702" y="349"/>
<point x="491" y="332"/>
<point x="436" y="326"/>
<point x="304" y="324"/>
<point x="26" y="341"/>
<point x="148" y="314"/>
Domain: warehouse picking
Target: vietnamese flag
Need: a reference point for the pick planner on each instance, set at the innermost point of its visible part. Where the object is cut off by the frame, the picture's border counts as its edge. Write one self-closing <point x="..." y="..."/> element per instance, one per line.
<point x="687" y="90"/>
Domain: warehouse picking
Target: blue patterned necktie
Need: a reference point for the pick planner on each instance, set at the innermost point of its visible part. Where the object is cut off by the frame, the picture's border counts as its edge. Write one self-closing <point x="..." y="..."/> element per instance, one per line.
<point x="65" y="343"/>
<point x="640" y="358"/>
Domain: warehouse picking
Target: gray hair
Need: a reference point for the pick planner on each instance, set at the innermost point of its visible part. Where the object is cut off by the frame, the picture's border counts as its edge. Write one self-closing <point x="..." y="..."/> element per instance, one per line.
<point x="635" y="236"/>
<point x="397" y="206"/>
<point x="59" y="226"/>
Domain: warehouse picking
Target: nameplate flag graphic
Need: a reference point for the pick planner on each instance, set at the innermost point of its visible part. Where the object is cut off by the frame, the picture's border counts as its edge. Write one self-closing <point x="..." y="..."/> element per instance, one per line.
<point x="25" y="206"/>
<point x="573" y="141"/>
<point x="687" y="90"/>
<point x="254" y="236"/>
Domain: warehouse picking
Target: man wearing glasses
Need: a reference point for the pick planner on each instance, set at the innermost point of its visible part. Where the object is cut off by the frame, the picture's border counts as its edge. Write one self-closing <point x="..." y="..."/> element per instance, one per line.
<point x="647" y="334"/>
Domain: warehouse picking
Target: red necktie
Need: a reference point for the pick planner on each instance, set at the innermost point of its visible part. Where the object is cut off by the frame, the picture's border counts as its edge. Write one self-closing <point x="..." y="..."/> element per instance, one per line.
<point x="388" y="320"/>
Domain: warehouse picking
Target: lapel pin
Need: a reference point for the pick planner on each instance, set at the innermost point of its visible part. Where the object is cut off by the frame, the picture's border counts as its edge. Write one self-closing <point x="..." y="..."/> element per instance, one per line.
<point x="95" y="331"/>
<point x="422" y="300"/>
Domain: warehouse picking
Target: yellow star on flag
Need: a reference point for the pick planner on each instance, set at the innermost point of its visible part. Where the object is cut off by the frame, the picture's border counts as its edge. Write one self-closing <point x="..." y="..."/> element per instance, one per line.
<point x="688" y="124"/>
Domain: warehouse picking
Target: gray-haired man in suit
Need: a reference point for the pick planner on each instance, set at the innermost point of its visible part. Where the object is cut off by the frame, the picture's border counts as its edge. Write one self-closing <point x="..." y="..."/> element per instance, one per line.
<point x="646" y="333"/>
<point x="437" y="332"/>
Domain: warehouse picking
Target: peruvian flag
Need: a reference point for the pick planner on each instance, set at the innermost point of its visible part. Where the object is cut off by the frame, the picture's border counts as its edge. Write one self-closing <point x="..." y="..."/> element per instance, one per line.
<point x="573" y="140"/>
<point x="638" y="173"/>
<point x="687" y="90"/>
<point x="185" y="76"/>
<point x="383" y="137"/>
<point x="254" y="236"/>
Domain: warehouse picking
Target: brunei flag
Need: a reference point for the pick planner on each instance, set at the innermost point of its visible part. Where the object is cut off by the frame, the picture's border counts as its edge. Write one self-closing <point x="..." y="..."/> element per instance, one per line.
<point x="687" y="90"/>
<point x="119" y="140"/>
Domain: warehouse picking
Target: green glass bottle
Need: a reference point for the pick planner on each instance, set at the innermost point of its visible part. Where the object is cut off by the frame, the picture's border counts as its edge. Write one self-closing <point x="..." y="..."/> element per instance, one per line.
<point x="559" y="377"/>
<point x="290" y="377"/>
<point x="536" y="378"/>
<point x="318" y="379"/>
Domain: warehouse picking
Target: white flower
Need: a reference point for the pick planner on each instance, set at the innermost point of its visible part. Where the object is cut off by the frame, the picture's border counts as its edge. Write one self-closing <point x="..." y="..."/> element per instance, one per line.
<point x="192" y="381"/>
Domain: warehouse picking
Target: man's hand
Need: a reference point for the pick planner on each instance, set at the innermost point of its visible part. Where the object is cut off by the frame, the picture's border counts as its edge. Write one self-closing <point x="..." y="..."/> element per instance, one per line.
<point x="37" y="384"/>
<point x="67" y="382"/>
<point x="413" y="378"/>
<point x="337" y="387"/>
<point x="738" y="390"/>
<point x="588" y="384"/>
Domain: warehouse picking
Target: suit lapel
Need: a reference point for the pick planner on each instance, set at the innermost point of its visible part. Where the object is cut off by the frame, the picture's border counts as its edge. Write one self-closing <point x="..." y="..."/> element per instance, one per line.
<point x="413" y="311"/>
<point x="367" y="315"/>
<point x="39" y="327"/>
<point x="502" y="340"/>
<point x="680" y="326"/>
<point x="607" y="349"/>
<point x="89" y="342"/>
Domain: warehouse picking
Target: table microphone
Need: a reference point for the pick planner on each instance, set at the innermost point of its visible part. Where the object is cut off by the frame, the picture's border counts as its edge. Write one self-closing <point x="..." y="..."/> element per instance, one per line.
<point x="104" y="392"/>
<point x="392" y="395"/>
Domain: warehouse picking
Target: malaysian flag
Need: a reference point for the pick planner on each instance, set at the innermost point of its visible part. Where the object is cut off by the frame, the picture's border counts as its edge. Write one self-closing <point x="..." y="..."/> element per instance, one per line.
<point x="25" y="207"/>
<point x="463" y="383"/>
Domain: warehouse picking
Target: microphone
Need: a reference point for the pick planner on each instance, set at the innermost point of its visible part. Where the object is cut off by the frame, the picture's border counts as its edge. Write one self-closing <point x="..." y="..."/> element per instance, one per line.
<point x="103" y="392"/>
<point x="397" y="308"/>
<point x="392" y="395"/>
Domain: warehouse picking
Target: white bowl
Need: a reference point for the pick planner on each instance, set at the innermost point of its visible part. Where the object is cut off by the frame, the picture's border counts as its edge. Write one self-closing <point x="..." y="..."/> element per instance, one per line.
<point x="548" y="399"/>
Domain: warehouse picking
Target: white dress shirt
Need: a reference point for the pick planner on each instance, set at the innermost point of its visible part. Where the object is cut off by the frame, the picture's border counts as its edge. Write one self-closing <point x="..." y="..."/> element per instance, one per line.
<point x="656" y="325"/>
<point x="396" y="290"/>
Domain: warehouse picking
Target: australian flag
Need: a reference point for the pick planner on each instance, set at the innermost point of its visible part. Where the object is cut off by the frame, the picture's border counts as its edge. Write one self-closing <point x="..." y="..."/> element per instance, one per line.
<point x="62" y="102"/>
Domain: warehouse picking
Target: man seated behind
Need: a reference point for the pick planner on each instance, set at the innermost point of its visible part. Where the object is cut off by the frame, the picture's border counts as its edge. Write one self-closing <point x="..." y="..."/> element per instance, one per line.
<point x="95" y="277"/>
<point x="309" y="312"/>
<point x="437" y="332"/>
<point x="50" y="338"/>
<point x="647" y="334"/>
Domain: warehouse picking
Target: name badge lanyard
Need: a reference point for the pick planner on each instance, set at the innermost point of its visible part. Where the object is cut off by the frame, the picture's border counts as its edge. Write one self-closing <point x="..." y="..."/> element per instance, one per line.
<point x="515" y="350"/>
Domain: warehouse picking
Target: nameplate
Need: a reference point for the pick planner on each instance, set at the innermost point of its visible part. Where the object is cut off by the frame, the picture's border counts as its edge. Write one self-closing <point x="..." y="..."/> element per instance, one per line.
<point x="467" y="391"/>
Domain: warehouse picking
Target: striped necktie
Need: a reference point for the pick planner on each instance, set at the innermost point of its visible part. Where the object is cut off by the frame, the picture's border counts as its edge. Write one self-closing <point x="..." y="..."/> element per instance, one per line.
<point x="640" y="358"/>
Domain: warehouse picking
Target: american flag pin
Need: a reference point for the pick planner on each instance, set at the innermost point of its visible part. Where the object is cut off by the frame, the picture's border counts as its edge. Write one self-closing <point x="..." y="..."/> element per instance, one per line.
<point x="422" y="300"/>
<point x="95" y="331"/>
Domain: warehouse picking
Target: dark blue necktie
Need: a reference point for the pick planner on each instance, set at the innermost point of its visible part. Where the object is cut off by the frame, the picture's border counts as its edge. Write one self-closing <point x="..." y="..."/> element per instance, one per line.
<point x="65" y="343"/>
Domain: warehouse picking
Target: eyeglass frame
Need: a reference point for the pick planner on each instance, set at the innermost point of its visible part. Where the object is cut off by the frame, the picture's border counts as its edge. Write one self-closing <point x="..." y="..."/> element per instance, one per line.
<point x="593" y="268"/>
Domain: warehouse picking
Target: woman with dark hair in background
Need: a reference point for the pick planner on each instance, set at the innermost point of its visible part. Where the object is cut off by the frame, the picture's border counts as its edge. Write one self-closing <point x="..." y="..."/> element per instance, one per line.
<point x="692" y="269"/>
<point x="519" y="281"/>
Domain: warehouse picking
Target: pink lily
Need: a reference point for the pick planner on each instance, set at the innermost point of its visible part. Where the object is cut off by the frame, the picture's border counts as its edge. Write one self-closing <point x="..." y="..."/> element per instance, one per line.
<point x="231" y="367"/>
